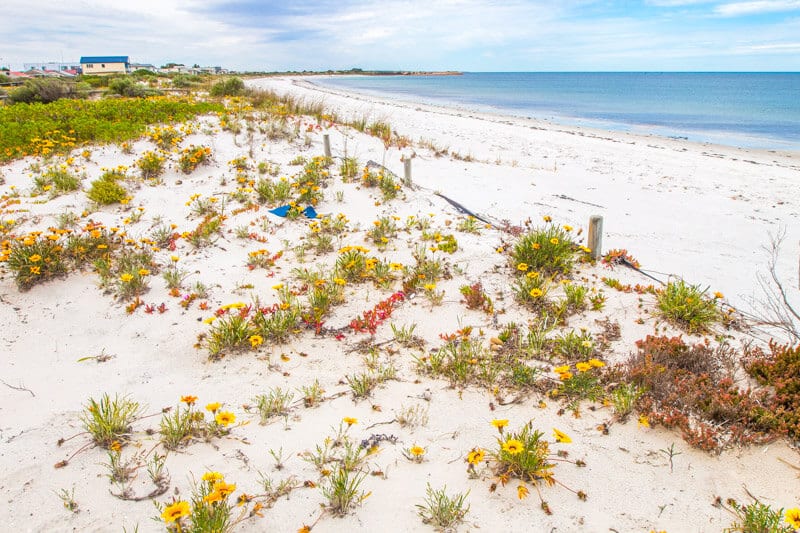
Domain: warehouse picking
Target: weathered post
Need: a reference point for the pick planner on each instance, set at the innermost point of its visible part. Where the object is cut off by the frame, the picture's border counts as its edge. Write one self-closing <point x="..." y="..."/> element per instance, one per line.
<point x="326" y="141"/>
<point x="595" y="238"/>
<point x="407" y="171"/>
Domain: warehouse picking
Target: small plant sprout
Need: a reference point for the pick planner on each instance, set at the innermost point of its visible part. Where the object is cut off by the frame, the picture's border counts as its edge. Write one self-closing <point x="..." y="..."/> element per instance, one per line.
<point x="109" y="420"/>
<point x="670" y="453"/>
<point x="442" y="511"/>
<point x="68" y="499"/>
<point x="413" y="416"/>
<point x="624" y="398"/>
<point x="312" y="394"/>
<point x="275" y="403"/>
<point x="342" y="489"/>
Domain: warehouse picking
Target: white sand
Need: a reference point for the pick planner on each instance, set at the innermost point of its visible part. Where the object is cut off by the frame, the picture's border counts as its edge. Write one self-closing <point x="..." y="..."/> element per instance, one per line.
<point x="699" y="211"/>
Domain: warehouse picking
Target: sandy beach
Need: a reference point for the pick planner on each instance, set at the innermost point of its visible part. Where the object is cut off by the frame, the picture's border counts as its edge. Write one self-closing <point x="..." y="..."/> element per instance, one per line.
<point x="697" y="211"/>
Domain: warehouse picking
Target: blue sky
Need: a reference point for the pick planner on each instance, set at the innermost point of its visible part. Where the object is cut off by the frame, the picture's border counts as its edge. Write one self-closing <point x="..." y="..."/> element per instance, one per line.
<point x="469" y="35"/>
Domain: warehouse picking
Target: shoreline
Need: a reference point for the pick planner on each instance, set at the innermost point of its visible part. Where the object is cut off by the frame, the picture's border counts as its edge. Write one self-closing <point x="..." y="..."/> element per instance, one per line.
<point x="569" y="122"/>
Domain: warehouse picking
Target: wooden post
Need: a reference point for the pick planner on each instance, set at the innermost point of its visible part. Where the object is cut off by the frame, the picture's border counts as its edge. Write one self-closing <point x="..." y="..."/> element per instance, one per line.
<point x="407" y="171"/>
<point x="326" y="141"/>
<point x="595" y="238"/>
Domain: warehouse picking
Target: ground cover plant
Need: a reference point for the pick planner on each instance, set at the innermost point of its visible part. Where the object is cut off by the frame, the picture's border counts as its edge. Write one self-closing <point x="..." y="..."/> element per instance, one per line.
<point x="61" y="126"/>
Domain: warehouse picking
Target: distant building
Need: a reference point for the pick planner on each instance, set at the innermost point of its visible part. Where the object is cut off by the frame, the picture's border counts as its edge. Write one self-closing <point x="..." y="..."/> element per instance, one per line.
<point x="53" y="66"/>
<point x="142" y="66"/>
<point x="212" y="70"/>
<point x="175" y="68"/>
<point x="105" y="64"/>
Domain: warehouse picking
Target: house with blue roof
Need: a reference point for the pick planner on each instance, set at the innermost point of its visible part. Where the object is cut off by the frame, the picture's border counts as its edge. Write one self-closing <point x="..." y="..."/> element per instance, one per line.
<point x="105" y="64"/>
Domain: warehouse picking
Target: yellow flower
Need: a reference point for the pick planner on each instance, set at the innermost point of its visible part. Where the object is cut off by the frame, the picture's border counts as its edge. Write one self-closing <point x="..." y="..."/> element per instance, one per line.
<point x="144" y="272"/>
<point x="125" y="278"/>
<point x="561" y="436"/>
<point x="547" y="218"/>
<point x="35" y="258"/>
<point x="212" y="477"/>
<point x="522" y="491"/>
<point x="718" y="295"/>
<point x="339" y="281"/>
<point x="225" y="418"/>
<point x="643" y="421"/>
<point x="561" y="369"/>
<point x="513" y="446"/>
<point x="793" y="517"/>
<point x="174" y="258"/>
<point x="209" y="320"/>
<point x="256" y="340"/>
<point x="597" y="363"/>
<point x="567" y="228"/>
<point x="476" y="456"/>
<point x="278" y="287"/>
<point x="564" y="376"/>
<point x="115" y="446"/>
<point x="176" y="511"/>
<point x="350" y="420"/>
<point x="213" y="497"/>
<point x="189" y="400"/>
<point x="429" y="286"/>
<point x="417" y="451"/>
<point x="224" y="489"/>
<point x="500" y="423"/>
<point x="554" y="241"/>
<point x="536" y="292"/>
<point x="583" y="367"/>
<point x="522" y="267"/>
<point x="213" y="407"/>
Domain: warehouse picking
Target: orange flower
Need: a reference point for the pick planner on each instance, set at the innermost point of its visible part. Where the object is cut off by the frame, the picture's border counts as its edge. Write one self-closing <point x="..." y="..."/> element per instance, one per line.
<point x="189" y="400"/>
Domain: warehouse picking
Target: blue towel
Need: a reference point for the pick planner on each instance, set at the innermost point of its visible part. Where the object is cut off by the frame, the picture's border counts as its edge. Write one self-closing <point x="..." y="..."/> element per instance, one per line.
<point x="281" y="211"/>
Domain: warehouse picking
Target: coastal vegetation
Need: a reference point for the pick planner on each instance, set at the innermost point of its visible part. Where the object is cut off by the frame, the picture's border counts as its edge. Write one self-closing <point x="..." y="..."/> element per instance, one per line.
<point x="315" y="289"/>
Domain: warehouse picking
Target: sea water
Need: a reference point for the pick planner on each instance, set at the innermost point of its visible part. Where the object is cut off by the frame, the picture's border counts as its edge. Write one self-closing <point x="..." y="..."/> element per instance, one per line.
<point x="755" y="110"/>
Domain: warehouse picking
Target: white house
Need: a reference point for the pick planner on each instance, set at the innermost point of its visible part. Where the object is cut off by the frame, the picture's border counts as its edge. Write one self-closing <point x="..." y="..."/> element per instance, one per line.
<point x="105" y="64"/>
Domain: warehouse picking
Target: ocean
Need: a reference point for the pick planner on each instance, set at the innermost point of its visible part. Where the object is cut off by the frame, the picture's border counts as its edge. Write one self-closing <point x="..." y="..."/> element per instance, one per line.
<point x="753" y="110"/>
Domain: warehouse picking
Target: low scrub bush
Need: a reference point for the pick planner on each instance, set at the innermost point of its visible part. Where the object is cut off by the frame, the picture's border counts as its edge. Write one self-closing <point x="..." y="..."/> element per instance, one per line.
<point x="228" y="87"/>
<point x="687" y="387"/>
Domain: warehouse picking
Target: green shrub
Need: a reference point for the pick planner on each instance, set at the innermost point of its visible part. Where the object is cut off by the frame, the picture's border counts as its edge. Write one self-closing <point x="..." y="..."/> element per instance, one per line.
<point x="59" y="178"/>
<point x="44" y="90"/>
<point x="687" y="306"/>
<point x="228" y="87"/>
<point x="127" y="87"/>
<point x="106" y="191"/>
<point x="151" y="165"/>
<point x="548" y="250"/>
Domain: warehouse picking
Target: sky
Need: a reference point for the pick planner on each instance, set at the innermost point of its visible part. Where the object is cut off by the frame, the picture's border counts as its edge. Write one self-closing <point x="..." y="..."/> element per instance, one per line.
<point x="465" y="35"/>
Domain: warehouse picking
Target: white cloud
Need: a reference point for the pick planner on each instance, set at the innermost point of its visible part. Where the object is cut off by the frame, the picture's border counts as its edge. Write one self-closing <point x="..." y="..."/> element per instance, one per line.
<point x="756" y="7"/>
